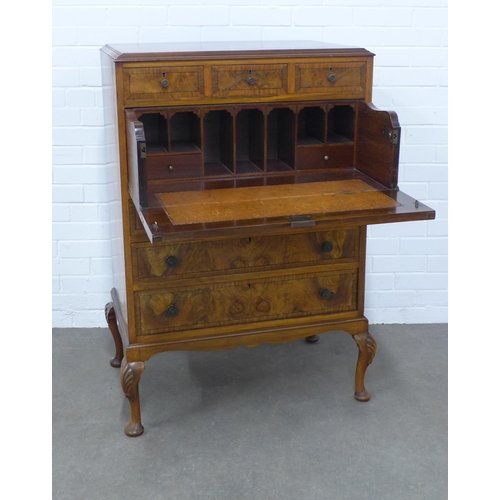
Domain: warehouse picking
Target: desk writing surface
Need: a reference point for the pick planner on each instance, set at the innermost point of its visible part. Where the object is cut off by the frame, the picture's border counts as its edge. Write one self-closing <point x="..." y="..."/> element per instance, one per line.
<point x="218" y="205"/>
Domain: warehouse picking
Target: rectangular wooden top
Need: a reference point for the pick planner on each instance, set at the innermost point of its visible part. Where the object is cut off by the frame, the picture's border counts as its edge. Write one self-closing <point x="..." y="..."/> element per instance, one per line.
<point x="241" y="49"/>
<point x="217" y="205"/>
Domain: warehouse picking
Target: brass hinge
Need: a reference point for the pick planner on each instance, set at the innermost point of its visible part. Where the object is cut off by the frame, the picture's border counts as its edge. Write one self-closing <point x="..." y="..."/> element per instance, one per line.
<point x="142" y="147"/>
<point x="391" y="134"/>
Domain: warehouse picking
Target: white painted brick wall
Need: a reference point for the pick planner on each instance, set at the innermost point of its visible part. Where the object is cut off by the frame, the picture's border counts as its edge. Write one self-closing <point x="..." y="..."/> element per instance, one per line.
<point x="406" y="262"/>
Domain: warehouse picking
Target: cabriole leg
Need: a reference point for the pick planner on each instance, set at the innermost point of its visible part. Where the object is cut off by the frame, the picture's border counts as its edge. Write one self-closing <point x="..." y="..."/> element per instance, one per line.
<point x="367" y="348"/>
<point x="130" y="374"/>
<point x="113" y="326"/>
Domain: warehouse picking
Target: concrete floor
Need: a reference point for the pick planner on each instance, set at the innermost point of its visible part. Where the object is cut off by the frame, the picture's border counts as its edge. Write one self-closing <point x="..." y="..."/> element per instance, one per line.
<point x="269" y="423"/>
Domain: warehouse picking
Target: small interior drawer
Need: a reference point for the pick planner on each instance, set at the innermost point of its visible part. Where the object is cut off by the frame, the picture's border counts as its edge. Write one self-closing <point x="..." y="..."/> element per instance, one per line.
<point x="153" y="262"/>
<point x="159" y="82"/>
<point x="224" y="304"/>
<point x="249" y="80"/>
<point x="170" y="166"/>
<point x="324" y="156"/>
<point x="339" y="80"/>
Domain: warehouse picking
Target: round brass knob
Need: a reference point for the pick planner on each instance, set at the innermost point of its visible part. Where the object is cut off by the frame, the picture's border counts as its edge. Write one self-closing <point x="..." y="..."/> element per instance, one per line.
<point x="251" y="81"/>
<point x="326" y="158"/>
<point x="326" y="294"/>
<point x="170" y="168"/>
<point x="331" y="77"/>
<point x="165" y="83"/>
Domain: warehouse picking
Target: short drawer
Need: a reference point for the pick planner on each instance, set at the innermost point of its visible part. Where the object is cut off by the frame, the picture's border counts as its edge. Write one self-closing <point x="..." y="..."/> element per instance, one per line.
<point x="254" y="301"/>
<point x="249" y="80"/>
<point x="153" y="262"/>
<point x="340" y="80"/>
<point x="143" y="83"/>
<point x="323" y="156"/>
<point x="179" y="166"/>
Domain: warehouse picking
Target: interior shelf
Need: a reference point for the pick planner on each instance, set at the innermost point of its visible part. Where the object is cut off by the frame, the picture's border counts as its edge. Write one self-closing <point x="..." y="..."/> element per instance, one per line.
<point x="255" y="141"/>
<point x="311" y="126"/>
<point x="249" y="141"/>
<point x="185" y="132"/>
<point x="156" y="132"/>
<point x="216" y="168"/>
<point x="341" y="125"/>
<point x="218" y="142"/>
<point x="184" y="146"/>
<point x="156" y="149"/>
<point x="280" y="139"/>
<point x="276" y="165"/>
<point x="334" y="138"/>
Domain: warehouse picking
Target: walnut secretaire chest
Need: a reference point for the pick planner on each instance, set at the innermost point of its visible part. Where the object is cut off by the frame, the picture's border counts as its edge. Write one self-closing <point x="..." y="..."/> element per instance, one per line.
<point x="245" y="178"/>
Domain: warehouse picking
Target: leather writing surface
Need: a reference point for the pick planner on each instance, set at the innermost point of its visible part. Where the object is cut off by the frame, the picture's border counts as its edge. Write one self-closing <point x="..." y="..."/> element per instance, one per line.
<point x="217" y="205"/>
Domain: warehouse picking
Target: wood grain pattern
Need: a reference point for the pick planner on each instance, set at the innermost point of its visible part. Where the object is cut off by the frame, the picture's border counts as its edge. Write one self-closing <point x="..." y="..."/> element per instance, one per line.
<point x="247" y="301"/>
<point x="130" y="53"/>
<point x="350" y="78"/>
<point x="375" y="155"/>
<point x="323" y="156"/>
<point x="233" y="81"/>
<point x="173" y="166"/>
<point x="245" y="254"/>
<point x="145" y="82"/>
<point x="110" y="314"/>
<point x="249" y="126"/>
<point x="130" y="375"/>
<point x="367" y="347"/>
<point x="272" y="201"/>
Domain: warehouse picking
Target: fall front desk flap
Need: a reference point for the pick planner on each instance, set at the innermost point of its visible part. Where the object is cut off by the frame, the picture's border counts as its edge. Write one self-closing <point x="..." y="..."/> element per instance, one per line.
<point x="288" y="200"/>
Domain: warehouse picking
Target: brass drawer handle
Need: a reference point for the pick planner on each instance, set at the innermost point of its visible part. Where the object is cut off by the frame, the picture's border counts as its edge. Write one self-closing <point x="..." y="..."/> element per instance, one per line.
<point x="172" y="311"/>
<point x="164" y="83"/>
<point x="172" y="261"/>
<point x="170" y="167"/>
<point x="331" y="77"/>
<point x="326" y="294"/>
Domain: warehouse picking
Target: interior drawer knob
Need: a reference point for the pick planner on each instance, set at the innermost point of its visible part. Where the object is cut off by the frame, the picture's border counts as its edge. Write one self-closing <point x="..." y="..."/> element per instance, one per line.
<point x="326" y="294"/>
<point x="331" y="77"/>
<point x="172" y="311"/>
<point x="251" y="80"/>
<point x="327" y="247"/>
<point x="172" y="261"/>
<point x="165" y="83"/>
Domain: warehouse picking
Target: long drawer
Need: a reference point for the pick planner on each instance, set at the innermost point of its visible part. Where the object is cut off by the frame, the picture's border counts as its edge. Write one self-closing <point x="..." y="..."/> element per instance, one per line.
<point x="152" y="263"/>
<point x="159" y="312"/>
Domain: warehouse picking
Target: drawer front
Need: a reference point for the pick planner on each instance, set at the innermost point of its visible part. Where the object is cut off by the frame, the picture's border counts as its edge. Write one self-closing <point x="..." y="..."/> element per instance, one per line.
<point x="245" y="302"/>
<point x="154" y="262"/>
<point x="340" y="80"/>
<point x="163" y="82"/>
<point x="249" y="80"/>
<point x="314" y="157"/>
<point x="179" y="166"/>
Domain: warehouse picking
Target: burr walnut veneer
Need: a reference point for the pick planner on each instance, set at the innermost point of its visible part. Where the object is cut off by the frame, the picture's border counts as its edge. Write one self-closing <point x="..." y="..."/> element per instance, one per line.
<point x="244" y="178"/>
